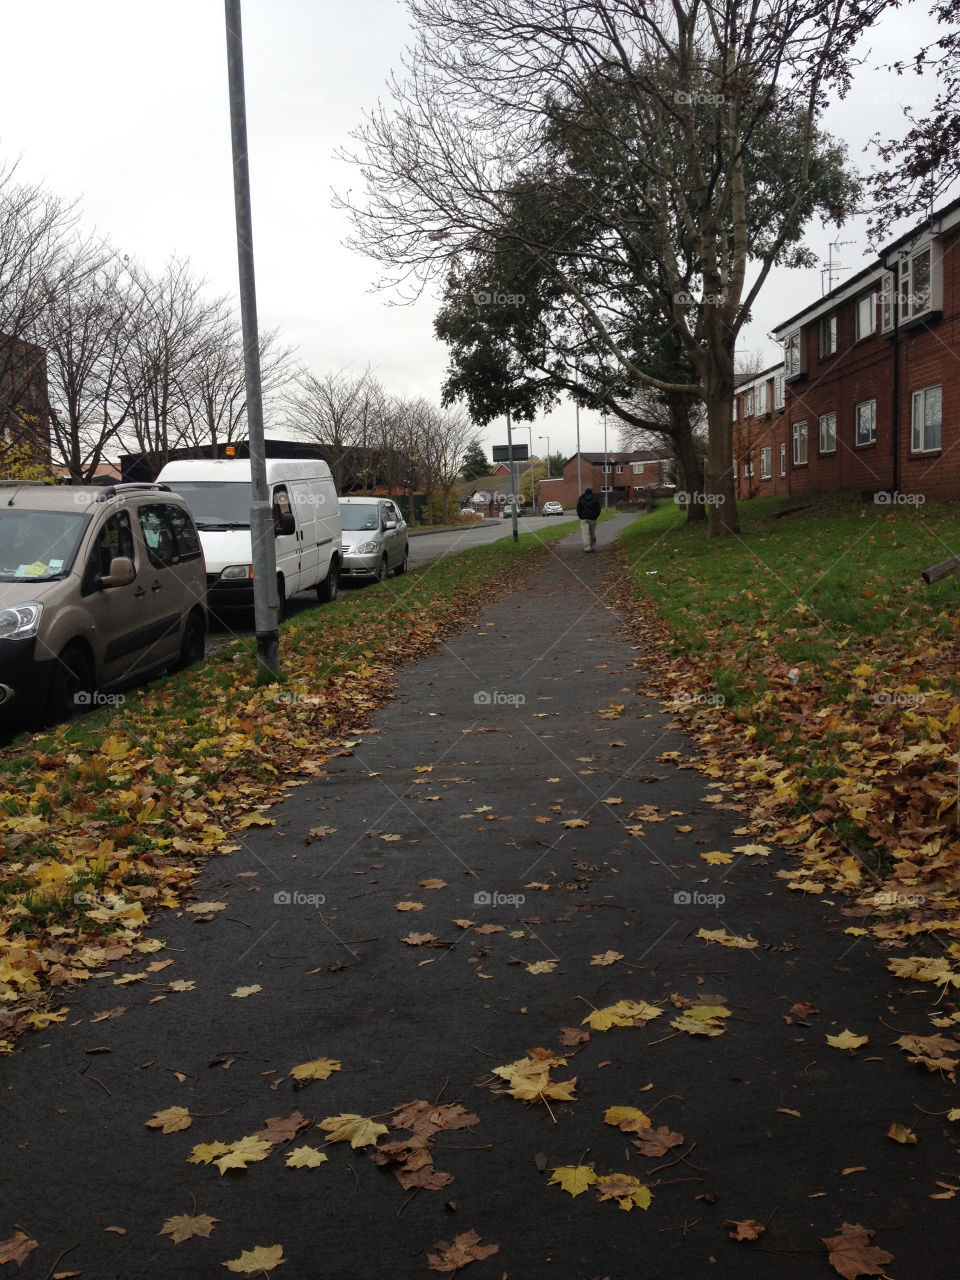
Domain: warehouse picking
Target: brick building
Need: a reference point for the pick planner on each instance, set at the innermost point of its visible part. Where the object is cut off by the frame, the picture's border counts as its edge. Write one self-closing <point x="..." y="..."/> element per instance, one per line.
<point x="624" y="477"/>
<point x="858" y="403"/>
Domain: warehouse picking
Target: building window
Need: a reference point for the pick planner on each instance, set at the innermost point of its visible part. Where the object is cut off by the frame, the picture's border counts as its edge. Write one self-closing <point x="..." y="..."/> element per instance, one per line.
<point x="792" y="355"/>
<point x="619" y="470"/>
<point x="800" y="444"/>
<point x="748" y="408"/>
<point x="607" y="468"/>
<point x="748" y="471"/>
<point x="828" y="433"/>
<point x="761" y="401"/>
<point x="866" y="315"/>
<point x="766" y="462"/>
<point x="783" y="457"/>
<point x="779" y="391"/>
<point x="915" y="286"/>
<point x="866" y="424"/>
<point x="886" y="301"/>
<point x="638" y="468"/>
<point x="828" y="335"/>
<point x="927" y="419"/>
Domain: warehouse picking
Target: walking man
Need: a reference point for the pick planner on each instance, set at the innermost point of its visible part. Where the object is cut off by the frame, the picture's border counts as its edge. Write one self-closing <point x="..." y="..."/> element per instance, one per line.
<point x="588" y="511"/>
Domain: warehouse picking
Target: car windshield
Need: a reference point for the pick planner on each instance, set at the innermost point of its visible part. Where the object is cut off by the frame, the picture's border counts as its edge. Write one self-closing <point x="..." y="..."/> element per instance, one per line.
<point x="359" y="515"/>
<point x="216" y="504"/>
<point x="36" y="546"/>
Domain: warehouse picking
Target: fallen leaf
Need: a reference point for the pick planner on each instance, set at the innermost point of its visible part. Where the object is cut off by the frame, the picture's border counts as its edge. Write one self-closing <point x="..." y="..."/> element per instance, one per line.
<point x="184" y="1226"/>
<point x="625" y="1013"/>
<point x="627" y="1119"/>
<point x="465" y="1248"/>
<point x="110" y="1013"/>
<point x="17" y="1249"/>
<point x="260" y="1258"/>
<point x="657" y="1142"/>
<point x="847" y="1040"/>
<point x="241" y="993"/>
<point x="206" y="907"/>
<point x="717" y="858"/>
<point x="409" y="906"/>
<point x="542" y="966"/>
<point x="573" y="1178"/>
<point x="305" y="1158"/>
<point x="607" y="958"/>
<point x="900" y="1133"/>
<point x="746" y="1230"/>
<point x="283" y="1128"/>
<point x="851" y="1254"/>
<point x="359" y="1131"/>
<point x="726" y="939"/>
<point x="181" y="984"/>
<point x="248" y="1150"/>
<point x="575" y="822"/>
<point x="571" y="1036"/>
<point x="205" y="1152"/>
<point x="315" y="1069"/>
<point x="320" y="833"/>
<point x="625" y="1189"/>
<point x="170" y="1121"/>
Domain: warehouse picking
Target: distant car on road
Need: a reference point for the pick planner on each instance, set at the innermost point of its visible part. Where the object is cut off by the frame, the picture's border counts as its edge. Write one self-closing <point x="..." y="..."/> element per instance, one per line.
<point x="552" y="509"/>
<point x="374" y="538"/>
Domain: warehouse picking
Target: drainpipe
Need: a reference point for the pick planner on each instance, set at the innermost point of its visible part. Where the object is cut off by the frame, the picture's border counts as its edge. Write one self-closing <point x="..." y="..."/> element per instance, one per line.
<point x="896" y="379"/>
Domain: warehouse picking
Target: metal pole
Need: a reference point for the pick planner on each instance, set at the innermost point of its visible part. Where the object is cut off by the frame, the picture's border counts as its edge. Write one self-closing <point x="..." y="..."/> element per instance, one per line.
<point x="261" y="520"/>
<point x="576" y="375"/>
<point x="547" y="438"/>
<point x="513" y="478"/>
<point x="606" y="478"/>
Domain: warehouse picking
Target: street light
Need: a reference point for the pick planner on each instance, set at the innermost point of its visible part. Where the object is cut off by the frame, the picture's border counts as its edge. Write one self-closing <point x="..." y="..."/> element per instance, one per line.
<point x="525" y="426"/>
<point x="606" y="474"/>
<point x="547" y="438"/>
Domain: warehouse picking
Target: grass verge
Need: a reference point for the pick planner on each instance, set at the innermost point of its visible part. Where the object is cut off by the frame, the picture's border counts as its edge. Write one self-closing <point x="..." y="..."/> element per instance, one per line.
<point x="109" y="816"/>
<point x="811" y="662"/>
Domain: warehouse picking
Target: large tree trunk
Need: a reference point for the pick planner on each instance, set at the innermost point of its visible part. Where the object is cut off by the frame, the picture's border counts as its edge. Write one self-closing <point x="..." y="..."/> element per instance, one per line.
<point x="722" y="518"/>
<point x="688" y="466"/>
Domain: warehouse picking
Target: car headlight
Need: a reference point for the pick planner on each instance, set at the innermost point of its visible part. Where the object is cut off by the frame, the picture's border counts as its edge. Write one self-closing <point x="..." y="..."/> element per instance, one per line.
<point x="238" y="571"/>
<point x="366" y="549"/>
<point x="20" y="621"/>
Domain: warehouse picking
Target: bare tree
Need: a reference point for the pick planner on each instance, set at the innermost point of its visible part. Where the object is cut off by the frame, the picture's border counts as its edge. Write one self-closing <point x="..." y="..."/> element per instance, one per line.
<point x="335" y="411"/>
<point x="83" y="329"/>
<point x="666" y="99"/>
<point x="35" y="227"/>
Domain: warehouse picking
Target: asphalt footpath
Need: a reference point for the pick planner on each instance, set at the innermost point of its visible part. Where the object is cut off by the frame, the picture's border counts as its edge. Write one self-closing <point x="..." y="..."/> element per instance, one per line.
<point x="512" y="849"/>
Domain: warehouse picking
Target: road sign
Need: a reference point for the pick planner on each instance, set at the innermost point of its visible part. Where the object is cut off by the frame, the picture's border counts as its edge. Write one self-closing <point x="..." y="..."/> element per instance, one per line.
<point x="501" y="453"/>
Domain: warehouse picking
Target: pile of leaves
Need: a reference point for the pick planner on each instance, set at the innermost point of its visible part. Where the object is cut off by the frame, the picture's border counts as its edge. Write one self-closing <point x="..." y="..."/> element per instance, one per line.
<point x="110" y="816"/>
<point x="820" y="679"/>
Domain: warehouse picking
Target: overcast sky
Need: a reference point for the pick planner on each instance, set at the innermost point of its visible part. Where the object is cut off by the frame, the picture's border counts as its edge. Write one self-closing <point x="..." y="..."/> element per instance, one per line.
<point x="124" y="106"/>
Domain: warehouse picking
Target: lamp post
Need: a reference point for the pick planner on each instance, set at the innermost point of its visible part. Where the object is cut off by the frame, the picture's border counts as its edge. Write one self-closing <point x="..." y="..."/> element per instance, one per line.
<point x="525" y="426"/>
<point x="606" y="474"/>
<point x="547" y="438"/>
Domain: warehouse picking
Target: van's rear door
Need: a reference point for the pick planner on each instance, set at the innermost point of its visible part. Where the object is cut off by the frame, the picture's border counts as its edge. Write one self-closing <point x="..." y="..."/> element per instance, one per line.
<point x="303" y="499"/>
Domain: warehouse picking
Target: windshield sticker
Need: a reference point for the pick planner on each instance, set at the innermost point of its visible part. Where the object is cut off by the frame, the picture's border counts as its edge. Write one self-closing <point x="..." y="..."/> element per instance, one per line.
<point x="56" y="566"/>
<point x="35" y="570"/>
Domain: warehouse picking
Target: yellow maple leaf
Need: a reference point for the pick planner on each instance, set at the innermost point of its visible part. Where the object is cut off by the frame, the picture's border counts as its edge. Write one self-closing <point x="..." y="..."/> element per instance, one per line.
<point x="241" y="993"/>
<point x="542" y="966"/>
<point x="305" y="1158"/>
<point x="409" y="906"/>
<point x="260" y="1258"/>
<point x="256" y="820"/>
<point x="900" y="1133"/>
<point x="698" y="1026"/>
<point x="751" y="850"/>
<point x="605" y="958"/>
<point x="204" y="908"/>
<point x="433" y="883"/>
<point x="315" y="1069"/>
<point x="625" y="1013"/>
<point x="627" y="1119"/>
<point x="575" y="822"/>
<point x="170" y="1121"/>
<point x="184" y="1226"/>
<point x="573" y="1178"/>
<point x="847" y="1040"/>
<point x="726" y="939"/>
<point x="423" y="768"/>
<point x="613" y="800"/>
<point x="717" y="858"/>
<point x="181" y="984"/>
<point x="359" y="1131"/>
<point x="247" y="1151"/>
<point x="205" y="1152"/>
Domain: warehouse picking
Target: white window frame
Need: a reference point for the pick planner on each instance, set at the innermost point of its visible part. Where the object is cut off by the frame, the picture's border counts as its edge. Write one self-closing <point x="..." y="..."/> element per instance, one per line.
<point x="886" y="301"/>
<point x="865" y="413"/>
<point x="619" y="470"/>
<point x="748" y="470"/>
<point x="828" y="432"/>
<point x="766" y="462"/>
<point x="828" y="335"/>
<point x="748" y="403"/>
<point x="637" y="468"/>
<point x="921" y="399"/>
<point x="779" y="391"/>
<point x="761" y="401"/>
<point x="914" y="302"/>
<point x="865" y="314"/>
<point x="783" y="457"/>
<point x="799" y="434"/>
<point x="793" y="362"/>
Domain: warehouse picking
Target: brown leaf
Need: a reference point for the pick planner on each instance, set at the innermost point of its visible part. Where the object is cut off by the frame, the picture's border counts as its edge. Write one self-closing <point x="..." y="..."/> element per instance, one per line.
<point x="746" y="1230"/>
<point x="466" y="1248"/>
<point x="852" y="1254"/>
<point x="657" y="1142"/>
<point x="118" y="1012"/>
<point x="409" y="906"/>
<point x="318" y="833"/>
<point x="570" y="1036"/>
<point x="183" y="1226"/>
<point x="283" y="1128"/>
<point x="17" y="1249"/>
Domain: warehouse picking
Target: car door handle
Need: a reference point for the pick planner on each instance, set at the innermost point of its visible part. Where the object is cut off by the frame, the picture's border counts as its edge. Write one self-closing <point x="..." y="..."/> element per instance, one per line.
<point x="157" y="586"/>
<point x="140" y="591"/>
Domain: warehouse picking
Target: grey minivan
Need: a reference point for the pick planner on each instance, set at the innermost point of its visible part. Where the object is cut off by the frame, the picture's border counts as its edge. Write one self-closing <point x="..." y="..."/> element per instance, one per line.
<point x="99" y="587"/>
<point x="374" y="535"/>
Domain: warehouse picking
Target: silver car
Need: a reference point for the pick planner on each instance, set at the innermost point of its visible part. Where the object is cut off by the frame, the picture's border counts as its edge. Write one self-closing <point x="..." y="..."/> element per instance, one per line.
<point x="374" y="538"/>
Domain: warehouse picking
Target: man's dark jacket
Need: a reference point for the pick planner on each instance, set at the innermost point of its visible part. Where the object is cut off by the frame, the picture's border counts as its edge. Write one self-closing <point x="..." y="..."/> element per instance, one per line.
<point x="588" y="507"/>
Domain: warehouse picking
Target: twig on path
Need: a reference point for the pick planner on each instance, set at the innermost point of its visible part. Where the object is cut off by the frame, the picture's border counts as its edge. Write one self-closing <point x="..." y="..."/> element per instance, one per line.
<point x="101" y="1084"/>
<point x="237" y="920"/>
<point x="57" y="1259"/>
<point x="407" y="1201"/>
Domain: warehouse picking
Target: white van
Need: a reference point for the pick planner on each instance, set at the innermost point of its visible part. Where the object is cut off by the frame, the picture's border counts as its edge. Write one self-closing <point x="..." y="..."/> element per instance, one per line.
<point x="306" y="520"/>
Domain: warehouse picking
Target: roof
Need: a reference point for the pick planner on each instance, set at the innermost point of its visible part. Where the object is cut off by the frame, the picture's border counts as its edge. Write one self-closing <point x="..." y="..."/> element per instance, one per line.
<point x="620" y="456"/>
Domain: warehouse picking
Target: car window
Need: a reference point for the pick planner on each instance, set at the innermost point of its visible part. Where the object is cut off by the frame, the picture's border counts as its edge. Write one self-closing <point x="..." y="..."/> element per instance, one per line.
<point x="157" y="535"/>
<point x="38" y="545"/>
<point x="281" y="504"/>
<point x="357" y="516"/>
<point x="114" y="539"/>
<point x="184" y="532"/>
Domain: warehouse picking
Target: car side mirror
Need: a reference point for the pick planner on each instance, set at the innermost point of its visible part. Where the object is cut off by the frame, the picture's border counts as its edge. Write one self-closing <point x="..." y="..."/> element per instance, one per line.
<point x="121" y="574"/>
<point x="286" y="524"/>
<point x="389" y="524"/>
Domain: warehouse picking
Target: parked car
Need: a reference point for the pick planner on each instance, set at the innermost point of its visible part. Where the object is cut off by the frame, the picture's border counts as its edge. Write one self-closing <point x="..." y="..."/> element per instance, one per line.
<point x="552" y="509"/>
<point x="374" y="538"/>
<point x="99" y="587"/>
<point x="306" y="521"/>
<point x="507" y="512"/>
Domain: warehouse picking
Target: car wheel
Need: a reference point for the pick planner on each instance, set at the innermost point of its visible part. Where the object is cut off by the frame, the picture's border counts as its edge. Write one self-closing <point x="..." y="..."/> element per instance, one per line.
<point x="329" y="588"/>
<point x="281" y="600"/>
<point x="381" y="569"/>
<point x="72" y="686"/>
<point x="402" y="566"/>
<point x="194" y="643"/>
